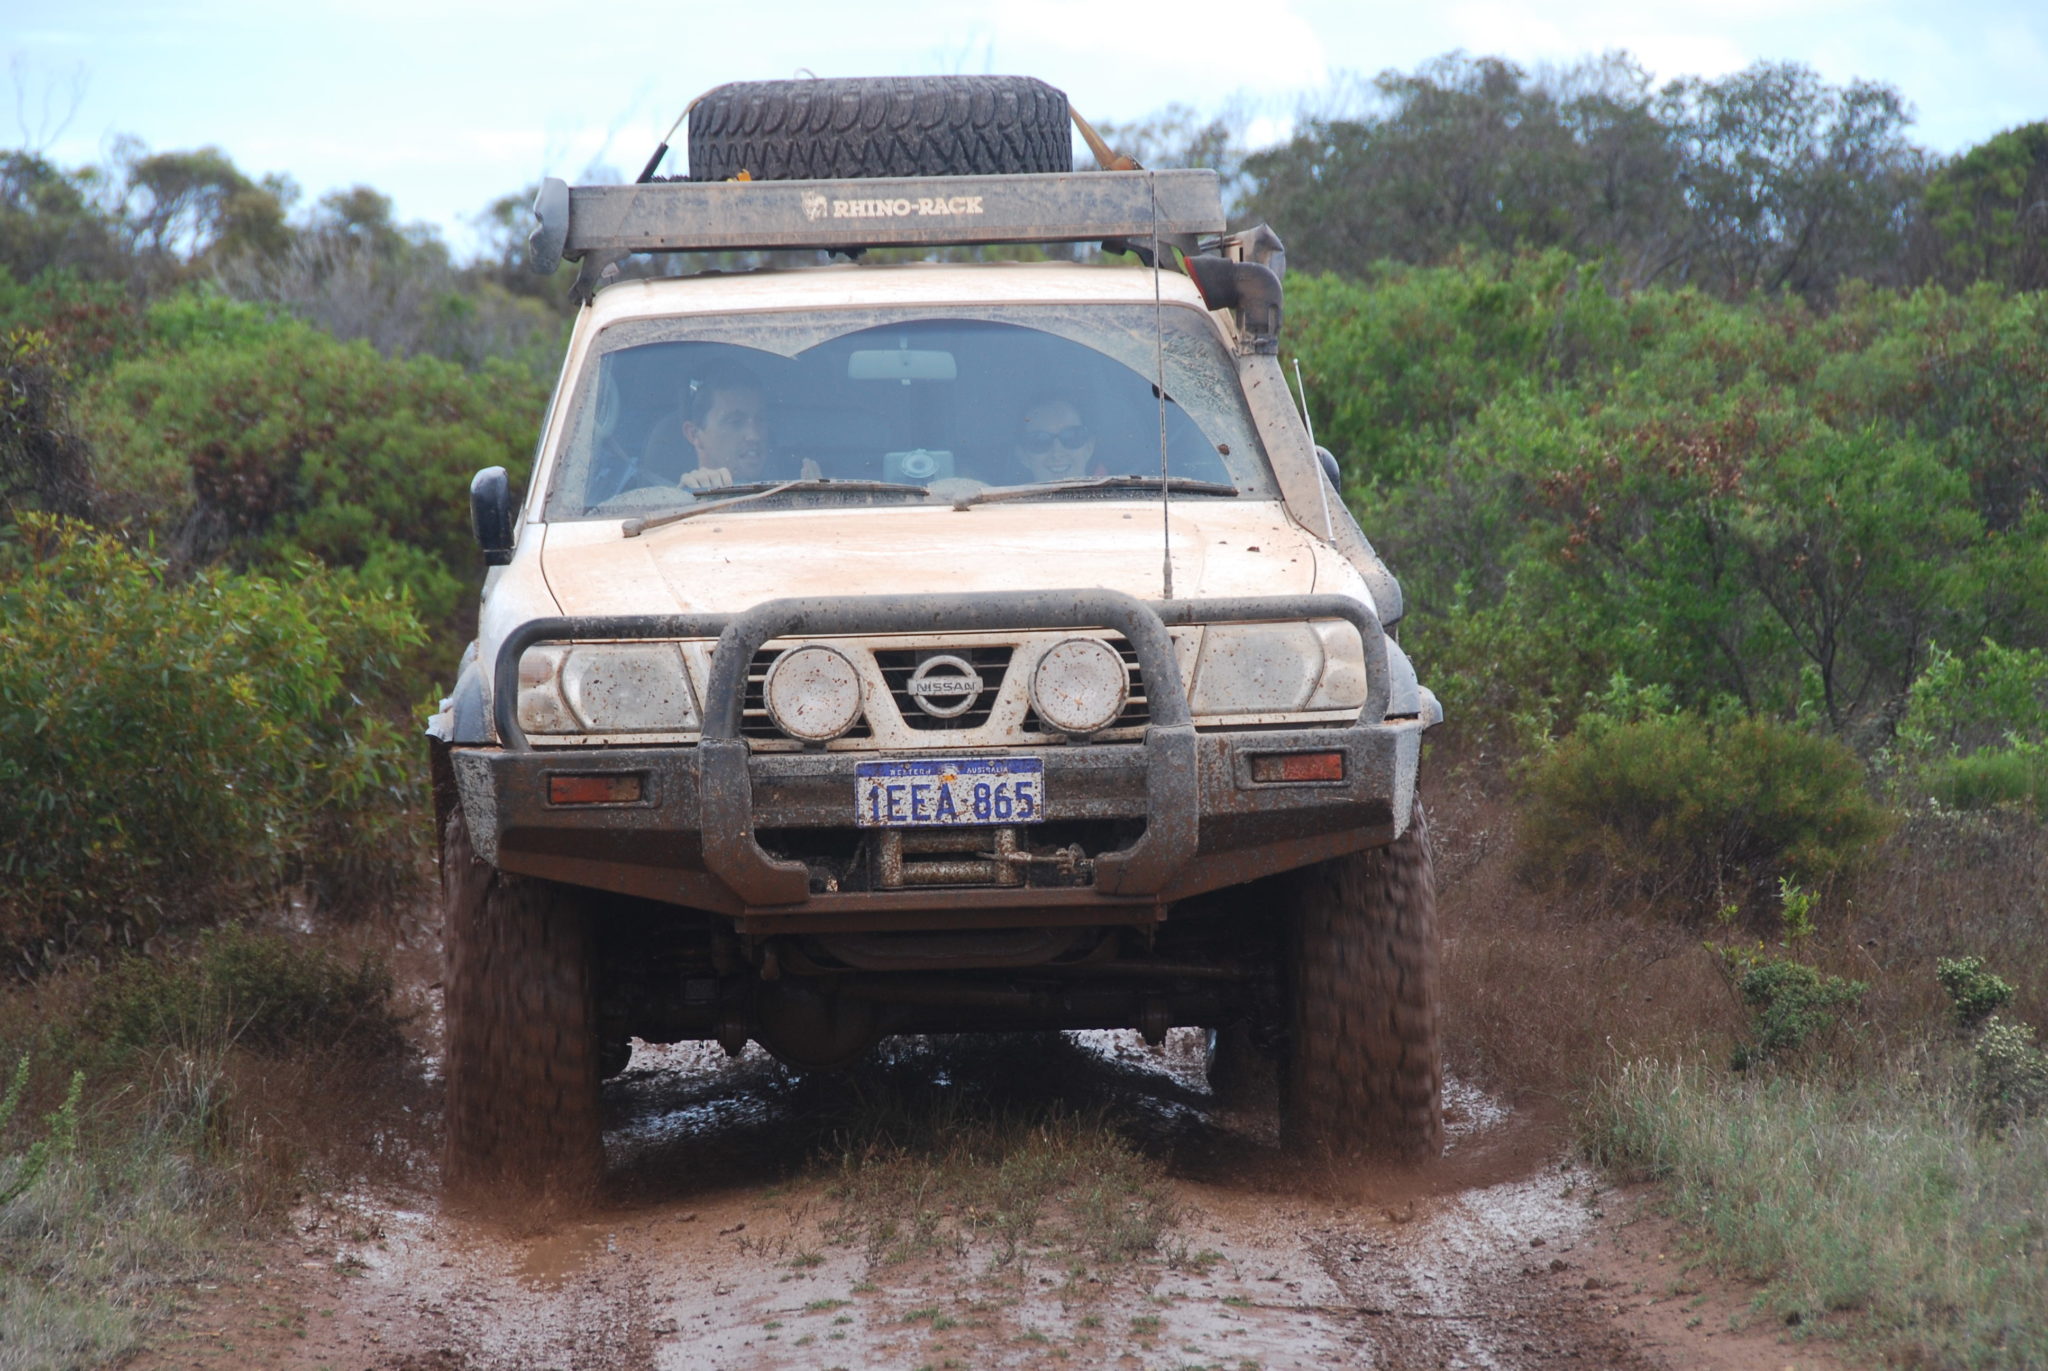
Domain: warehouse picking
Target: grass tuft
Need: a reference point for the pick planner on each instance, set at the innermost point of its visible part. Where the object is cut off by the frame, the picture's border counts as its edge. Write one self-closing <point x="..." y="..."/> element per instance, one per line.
<point x="937" y="1175"/>
<point x="1847" y="1190"/>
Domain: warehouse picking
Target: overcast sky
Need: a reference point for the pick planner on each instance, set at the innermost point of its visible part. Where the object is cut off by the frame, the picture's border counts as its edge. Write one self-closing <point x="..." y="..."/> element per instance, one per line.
<point x="445" y="106"/>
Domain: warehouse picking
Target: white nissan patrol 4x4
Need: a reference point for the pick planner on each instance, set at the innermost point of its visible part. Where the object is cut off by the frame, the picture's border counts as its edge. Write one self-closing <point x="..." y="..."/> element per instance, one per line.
<point x="925" y="647"/>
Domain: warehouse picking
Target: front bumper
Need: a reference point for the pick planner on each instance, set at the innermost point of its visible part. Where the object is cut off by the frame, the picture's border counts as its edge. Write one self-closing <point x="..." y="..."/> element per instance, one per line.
<point x="1197" y="816"/>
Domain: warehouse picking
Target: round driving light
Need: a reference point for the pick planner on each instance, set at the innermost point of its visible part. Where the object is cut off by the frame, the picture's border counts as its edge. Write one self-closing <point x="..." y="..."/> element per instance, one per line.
<point x="812" y="693"/>
<point x="1080" y="686"/>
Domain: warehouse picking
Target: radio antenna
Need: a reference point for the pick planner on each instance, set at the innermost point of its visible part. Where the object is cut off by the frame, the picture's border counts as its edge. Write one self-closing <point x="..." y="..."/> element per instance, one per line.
<point x="1159" y="389"/>
<point x="1322" y="479"/>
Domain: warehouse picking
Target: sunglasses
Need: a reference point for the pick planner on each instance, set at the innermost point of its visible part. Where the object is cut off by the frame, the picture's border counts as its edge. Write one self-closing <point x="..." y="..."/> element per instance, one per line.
<point x="1036" y="442"/>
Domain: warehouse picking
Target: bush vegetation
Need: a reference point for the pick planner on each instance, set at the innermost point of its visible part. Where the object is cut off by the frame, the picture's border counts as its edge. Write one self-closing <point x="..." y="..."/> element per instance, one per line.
<point x="1687" y="813"/>
<point x="1721" y="506"/>
<point x="257" y="989"/>
<point x="1754" y="502"/>
<point x="170" y="751"/>
<point x="258" y="442"/>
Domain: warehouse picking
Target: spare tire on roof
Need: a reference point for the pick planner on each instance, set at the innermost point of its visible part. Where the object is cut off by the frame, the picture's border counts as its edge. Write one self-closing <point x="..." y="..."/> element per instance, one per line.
<point x="880" y="126"/>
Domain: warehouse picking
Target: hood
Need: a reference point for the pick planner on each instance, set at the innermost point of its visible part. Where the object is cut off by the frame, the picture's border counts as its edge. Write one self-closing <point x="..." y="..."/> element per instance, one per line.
<point x="727" y="563"/>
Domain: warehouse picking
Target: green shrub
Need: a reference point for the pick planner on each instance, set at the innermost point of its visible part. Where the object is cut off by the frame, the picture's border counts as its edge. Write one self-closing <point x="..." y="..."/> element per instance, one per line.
<point x="1790" y="1004"/>
<point x="2013" y="777"/>
<point x="2012" y="1073"/>
<point x="257" y="989"/>
<point x="1693" y="813"/>
<point x="170" y="750"/>
<point x="1726" y="498"/>
<point x="1975" y="731"/>
<point x="1974" y="993"/>
<point x="260" y="442"/>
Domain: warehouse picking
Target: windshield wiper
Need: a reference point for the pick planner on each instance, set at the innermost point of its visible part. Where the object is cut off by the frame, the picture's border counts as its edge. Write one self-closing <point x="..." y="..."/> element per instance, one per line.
<point x="727" y="496"/>
<point x="1176" y="485"/>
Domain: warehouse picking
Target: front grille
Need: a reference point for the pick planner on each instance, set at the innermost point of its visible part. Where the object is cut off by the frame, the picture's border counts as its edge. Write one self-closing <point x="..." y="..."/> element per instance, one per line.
<point x="898" y="665"/>
<point x="755" y="721"/>
<point x="1136" y="711"/>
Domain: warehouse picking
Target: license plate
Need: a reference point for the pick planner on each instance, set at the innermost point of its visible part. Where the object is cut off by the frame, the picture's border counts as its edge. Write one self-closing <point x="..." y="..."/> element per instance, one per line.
<point x="943" y="794"/>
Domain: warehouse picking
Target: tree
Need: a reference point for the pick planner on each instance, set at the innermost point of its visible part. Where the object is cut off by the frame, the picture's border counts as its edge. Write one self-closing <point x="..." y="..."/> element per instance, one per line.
<point x="1768" y="179"/>
<point x="1793" y="184"/>
<point x="47" y="221"/>
<point x="1989" y="210"/>
<point x="1472" y="153"/>
<point x="179" y="207"/>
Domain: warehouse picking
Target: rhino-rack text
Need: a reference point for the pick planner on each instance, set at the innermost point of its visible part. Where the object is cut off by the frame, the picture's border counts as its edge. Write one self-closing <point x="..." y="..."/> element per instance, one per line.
<point x="819" y="207"/>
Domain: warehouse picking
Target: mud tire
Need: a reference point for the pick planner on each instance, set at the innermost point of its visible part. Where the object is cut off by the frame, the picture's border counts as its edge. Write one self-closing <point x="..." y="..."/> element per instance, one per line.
<point x="1363" y="1072"/>
<point x="880" y="126"/>
<point x="522" y="1062"/>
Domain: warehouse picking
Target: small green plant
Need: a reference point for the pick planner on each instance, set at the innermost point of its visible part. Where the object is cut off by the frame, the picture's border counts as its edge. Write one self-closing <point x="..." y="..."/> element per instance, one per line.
<point x="1790" y="1003"/>
<point x="2012" y="1073"/>
<point x="1974" y="993"/>
<point x="1795" y="909"/>
<point x="18" y="1173"/>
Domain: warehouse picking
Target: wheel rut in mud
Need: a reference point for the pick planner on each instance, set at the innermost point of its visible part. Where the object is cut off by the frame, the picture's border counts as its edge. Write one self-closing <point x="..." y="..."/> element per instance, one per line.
<point x="724" y="1240"/>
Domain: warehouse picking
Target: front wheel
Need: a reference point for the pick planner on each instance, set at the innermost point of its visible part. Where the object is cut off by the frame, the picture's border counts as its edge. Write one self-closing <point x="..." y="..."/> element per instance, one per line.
<point x="523" y="1055"/>
<point x="1363" y="1071"/>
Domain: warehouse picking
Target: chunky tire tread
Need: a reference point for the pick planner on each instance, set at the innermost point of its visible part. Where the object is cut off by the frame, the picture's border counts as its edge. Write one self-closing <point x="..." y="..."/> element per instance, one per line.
<point x="880" y="126"/>
<point x="522" y="1063"/>
<point x="1364" y="1071"/>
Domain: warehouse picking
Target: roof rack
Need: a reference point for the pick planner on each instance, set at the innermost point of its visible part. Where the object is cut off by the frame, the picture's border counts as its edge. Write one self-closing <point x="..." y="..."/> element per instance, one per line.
<point x="727" y="216"/>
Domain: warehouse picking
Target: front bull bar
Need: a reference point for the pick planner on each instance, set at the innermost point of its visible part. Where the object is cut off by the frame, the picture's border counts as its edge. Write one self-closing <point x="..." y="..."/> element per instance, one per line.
<point x="1172" y="781"/>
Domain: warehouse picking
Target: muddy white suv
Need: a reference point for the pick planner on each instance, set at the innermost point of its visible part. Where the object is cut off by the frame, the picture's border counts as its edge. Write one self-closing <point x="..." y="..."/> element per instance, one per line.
<point x="926" y="647"/>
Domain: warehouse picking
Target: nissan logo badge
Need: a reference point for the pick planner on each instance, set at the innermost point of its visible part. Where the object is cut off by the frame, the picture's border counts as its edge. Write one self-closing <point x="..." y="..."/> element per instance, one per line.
<point x="945" y="686"/>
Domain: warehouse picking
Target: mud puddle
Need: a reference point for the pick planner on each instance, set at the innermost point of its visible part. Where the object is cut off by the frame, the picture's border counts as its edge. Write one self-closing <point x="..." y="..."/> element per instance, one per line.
<point x="722" y="1243"/>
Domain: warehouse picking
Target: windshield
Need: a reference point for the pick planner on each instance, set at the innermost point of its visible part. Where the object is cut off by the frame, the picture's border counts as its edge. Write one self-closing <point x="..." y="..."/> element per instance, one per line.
<point x="888" y="406"/>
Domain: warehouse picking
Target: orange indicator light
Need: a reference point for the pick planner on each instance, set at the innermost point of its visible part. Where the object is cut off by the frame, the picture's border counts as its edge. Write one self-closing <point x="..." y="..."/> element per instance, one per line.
<point x="594" y="790"/>
<point x="1298" y="766"/>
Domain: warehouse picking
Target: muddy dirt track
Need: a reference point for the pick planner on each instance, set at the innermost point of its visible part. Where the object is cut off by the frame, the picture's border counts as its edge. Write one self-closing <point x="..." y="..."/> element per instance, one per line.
<point x="721" y="1244"/>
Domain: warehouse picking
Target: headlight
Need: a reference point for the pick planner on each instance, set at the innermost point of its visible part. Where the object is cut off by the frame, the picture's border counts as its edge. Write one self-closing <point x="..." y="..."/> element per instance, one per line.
<point x="1279" y="668"/>
<point x="606" y="688"/>
<point x="812" y="693"/>
<point x="1079" y="686"/>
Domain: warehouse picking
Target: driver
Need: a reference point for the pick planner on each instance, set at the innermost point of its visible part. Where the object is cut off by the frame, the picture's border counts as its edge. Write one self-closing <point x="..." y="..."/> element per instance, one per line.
<point x="726" y="427"/>
<point x="725" y="423"/>
<point x="1052" y="444"/>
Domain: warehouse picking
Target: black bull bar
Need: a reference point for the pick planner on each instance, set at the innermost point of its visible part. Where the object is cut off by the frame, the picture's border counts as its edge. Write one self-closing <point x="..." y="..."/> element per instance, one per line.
<point x="1172" y="781"/>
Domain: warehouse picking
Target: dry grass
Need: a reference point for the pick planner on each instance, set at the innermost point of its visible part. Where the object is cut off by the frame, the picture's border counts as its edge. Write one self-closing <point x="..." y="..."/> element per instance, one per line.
<point x="1543" y="991"/>
<point x="1540" y="990"/>
<point x="924" y="1169"/>
<point x="1857" y="1180"/>
<point x="1840" y="1191"/>
<point x="188" y="1143"/>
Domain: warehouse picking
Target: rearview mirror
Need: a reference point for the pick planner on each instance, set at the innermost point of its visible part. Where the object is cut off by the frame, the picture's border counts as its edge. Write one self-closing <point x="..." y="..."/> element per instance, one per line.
<point x="900" y="364"/>
<point x="490" y="514"/>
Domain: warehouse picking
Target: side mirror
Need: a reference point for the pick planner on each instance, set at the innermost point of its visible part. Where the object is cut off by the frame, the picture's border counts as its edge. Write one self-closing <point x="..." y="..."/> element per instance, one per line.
<point x="550" y="227"/>
<point x="1252" y="290"/>
<point x="490" y="514"/>
<point x="1330" y="468"/>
